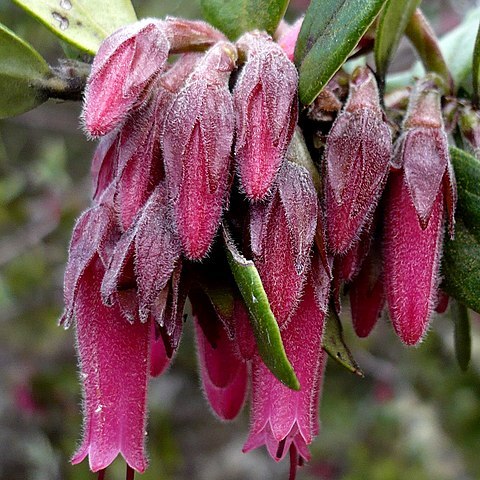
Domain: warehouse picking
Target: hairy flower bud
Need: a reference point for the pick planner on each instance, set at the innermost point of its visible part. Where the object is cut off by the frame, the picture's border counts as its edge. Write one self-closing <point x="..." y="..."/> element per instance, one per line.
<point x="416" y="200"/>
<point x="357" y="158"/>
<point x="266" y="110"/>
<point x="152" y="246"/>
<point x="197" y="140"/>
<point x="124" y="66"/>
<point x="422" y="152"/>
<point x="282" y="230"/>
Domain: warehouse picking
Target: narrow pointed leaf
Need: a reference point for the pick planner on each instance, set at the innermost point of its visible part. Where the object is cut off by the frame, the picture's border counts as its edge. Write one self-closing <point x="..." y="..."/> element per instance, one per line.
<point x="463" y="341"/>
<point x="82" y="23"/>
<point x="234" y="17"/>
<point x="391" y="25"/>
<point x="265" y="327"/>
<point x="330" y="32"/>
<point x="21" y="68"/>
<point x="334" y="344"/>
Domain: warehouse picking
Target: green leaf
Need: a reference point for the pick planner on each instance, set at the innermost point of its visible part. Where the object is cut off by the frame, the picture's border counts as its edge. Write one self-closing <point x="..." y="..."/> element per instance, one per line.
<point x="461" y="259"/>
<point x="330" y="31"/>
<point x="334" y="344"/>
<point x="476" y="68"/>
<point x="391" y="25"/>
<point x="234" y="17"/>
<point x="83" y="23"/>
<point x="462" y="337"/>
<point x="21" y="68"/>
<point x="467" y="174"/>
<point x="461" y="267"/>
<point x="264" y="324"/>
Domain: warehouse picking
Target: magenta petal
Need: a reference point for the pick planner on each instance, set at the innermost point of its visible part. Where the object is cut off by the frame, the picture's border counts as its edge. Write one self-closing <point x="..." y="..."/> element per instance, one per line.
<point x="114" y="363"/>
<point x="288" y="38"/>
<point x="224" y="375"/>
<point x="244" y="337"/>
<point x="159" y="360"/>
<point x="411" y="261"/>
<point x="281" y="416"/>
<point x="94" y="233"/>
<point x="367" y="296"/>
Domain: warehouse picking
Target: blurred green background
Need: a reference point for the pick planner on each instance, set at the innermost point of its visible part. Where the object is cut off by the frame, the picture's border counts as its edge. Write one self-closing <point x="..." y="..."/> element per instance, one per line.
<point x="414" y="416"/>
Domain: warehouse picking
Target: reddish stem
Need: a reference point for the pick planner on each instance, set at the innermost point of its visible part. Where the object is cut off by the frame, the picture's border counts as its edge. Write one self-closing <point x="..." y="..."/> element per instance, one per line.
<point x="101" y="474"/>
<point x="293" y="462"/>
<point x="130" y="473"/>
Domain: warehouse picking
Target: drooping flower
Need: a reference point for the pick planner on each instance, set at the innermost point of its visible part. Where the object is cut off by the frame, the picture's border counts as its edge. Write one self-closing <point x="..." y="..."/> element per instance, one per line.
<point x="357" y="156"/>
<point x="266" y="111"/>
<point x="114" y="360"/>
<point x="197" y="139"/>
<point x="282" y="419"/>
<point x="113" y="354"/>
<point x="417" y="198"/>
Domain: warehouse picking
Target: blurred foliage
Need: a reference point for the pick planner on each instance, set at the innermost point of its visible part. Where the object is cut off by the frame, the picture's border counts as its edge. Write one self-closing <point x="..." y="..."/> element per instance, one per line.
<point x="414" y="415"/>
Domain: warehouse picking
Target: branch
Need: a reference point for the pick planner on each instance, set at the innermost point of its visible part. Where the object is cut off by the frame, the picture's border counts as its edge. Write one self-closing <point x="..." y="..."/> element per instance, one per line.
<point x="67" y="82"/>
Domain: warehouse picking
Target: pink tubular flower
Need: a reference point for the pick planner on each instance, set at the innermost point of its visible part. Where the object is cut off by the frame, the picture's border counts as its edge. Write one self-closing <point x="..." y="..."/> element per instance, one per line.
<point x="266" y="111"/>
<point x="113" y="354"/>
<point x="114" y="370"/>
<point x="282" y="230"/>
<point x="357" y="158"/>
<point x="282" y="419"/>
<point x="417" y="197"/>
<point x="197" y="139"/>
<point x="121" y="72"/>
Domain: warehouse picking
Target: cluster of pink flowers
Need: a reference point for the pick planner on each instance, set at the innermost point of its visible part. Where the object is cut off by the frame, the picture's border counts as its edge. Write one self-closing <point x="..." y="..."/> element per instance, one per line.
<point x="209" y="138"/>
